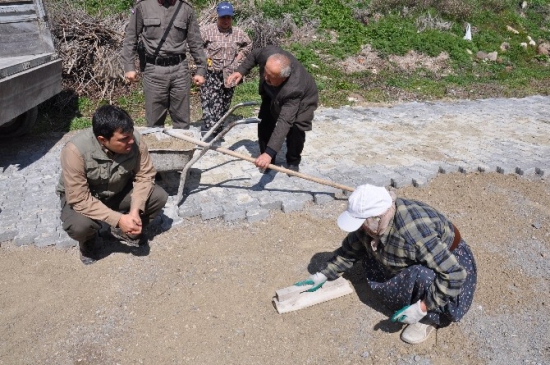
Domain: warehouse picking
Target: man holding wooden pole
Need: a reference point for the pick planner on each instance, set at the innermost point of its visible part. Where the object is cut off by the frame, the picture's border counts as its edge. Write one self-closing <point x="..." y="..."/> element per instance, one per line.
<point x="289" y="98"/>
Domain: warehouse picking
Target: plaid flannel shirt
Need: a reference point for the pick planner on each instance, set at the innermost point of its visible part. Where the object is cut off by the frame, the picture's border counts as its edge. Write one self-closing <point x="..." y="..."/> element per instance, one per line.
<point x="225" y="49"/>
<point x="418" y="235"/>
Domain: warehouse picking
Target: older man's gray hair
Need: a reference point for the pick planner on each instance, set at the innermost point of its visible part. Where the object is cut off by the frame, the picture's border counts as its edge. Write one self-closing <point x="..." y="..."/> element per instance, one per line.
<point x="283" y="61"/>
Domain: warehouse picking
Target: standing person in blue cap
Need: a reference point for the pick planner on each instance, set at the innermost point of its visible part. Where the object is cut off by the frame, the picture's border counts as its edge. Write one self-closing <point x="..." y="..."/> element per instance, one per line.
<point x="225" y="47"/>
<point x="414" y="259"/>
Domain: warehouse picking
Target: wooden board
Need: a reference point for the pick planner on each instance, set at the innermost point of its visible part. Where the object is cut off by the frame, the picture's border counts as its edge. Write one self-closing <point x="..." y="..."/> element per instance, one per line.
<point x="296" y="297"/>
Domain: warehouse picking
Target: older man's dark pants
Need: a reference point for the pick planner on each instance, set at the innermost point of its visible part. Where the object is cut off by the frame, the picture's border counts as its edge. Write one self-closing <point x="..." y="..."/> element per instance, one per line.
<point x="413" y="283"/>
<point x="295" y="138"/>
<point x="84" y="229"/>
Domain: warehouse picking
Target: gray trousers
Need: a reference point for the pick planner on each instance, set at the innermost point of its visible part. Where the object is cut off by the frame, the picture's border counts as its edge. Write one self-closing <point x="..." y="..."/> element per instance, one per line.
<point x="166" y="89"/>
<point x="84" y="229"/>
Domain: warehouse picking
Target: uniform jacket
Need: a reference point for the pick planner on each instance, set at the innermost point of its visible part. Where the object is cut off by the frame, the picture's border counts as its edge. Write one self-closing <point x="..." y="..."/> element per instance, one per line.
<point x="150" y="19"/>
<point x="297" y="98"/>
<point x="95" y="177"/>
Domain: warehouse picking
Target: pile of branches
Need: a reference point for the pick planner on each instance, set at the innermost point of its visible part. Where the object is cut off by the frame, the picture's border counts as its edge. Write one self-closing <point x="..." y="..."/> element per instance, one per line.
<point x="265" y="32"/>
<point x="90" y="49"/>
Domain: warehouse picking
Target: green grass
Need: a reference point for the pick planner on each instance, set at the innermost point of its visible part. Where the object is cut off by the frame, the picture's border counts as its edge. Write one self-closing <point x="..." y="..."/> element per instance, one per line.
<point x="104" y="7"/>
<point x="518" y="72"/>
<point x="298" y="9"/>
<point x="247" y="91"/>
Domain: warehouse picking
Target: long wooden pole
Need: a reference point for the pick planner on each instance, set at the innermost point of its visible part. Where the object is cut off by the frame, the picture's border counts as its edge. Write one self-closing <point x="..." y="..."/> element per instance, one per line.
<point x="226" y="151"/>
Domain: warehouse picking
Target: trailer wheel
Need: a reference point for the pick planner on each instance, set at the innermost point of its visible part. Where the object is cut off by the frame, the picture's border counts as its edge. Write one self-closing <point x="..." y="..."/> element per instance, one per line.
<point x="20" y="125"/>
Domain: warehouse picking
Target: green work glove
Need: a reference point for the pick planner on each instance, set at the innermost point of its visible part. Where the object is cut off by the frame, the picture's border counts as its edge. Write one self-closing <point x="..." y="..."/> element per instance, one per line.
<point x="317" y="280"/>
<point x="410" y="314"/>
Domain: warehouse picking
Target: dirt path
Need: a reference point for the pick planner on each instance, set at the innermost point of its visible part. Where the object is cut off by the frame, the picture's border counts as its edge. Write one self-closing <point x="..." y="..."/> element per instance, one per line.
<point x="202" y="294"/>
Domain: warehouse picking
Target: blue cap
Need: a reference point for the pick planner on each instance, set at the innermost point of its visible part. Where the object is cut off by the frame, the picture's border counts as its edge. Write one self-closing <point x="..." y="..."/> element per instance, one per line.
<point x="225" y="9"/>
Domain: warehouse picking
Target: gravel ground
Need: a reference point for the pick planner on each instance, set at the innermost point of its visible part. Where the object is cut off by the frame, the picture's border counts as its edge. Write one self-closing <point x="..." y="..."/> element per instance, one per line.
<point x="202" y="293"/>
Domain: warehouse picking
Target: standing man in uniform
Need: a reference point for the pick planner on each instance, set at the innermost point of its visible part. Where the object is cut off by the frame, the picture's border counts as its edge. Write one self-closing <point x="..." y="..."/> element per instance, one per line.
<point x="107" y="176"/>
<point x="166" y="28"/>
<point x="289" y="98"/>
<point x="226" y="46"/>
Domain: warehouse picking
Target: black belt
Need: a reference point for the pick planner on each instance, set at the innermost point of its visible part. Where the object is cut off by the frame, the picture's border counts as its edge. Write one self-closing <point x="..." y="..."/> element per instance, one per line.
<point x="165" y="61"/>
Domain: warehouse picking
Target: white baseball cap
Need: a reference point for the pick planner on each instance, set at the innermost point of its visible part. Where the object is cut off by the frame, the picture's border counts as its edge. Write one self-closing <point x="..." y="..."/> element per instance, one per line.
<point x="366" y="201"/>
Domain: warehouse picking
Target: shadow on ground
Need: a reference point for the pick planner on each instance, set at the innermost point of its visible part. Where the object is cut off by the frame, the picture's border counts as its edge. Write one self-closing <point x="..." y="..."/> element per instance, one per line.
<point x="356" y="278"/>
<point x="54" y="120"/>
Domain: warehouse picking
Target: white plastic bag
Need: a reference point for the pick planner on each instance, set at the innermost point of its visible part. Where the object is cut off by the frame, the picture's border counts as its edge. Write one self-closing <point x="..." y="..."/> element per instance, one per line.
<point x="468" y="35"/>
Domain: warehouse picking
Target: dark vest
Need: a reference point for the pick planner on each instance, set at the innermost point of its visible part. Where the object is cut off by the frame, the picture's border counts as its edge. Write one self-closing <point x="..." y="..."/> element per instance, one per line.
<point x="106" y="177"/>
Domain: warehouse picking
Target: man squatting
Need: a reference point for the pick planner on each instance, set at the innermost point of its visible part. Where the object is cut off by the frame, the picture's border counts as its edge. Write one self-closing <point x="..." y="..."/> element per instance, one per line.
<point x="107" y="176"/>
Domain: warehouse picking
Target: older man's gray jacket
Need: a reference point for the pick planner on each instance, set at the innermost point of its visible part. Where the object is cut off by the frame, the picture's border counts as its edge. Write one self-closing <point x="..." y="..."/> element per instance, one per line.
<point x="297" y="98"/>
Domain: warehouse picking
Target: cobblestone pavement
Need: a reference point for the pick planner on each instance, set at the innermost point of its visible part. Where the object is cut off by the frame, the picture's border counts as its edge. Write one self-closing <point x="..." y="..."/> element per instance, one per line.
<point x="400" y="145"/>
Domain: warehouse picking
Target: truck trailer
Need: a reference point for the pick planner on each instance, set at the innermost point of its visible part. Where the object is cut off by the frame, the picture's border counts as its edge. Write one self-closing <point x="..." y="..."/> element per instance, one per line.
<point x="30" y="67"/>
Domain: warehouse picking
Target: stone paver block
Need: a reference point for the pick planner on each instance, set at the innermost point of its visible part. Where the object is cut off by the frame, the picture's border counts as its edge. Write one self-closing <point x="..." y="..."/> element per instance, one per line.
<point x="447" y="168"/>
<point x="65" y="242"/>
<point x="256" y="215"/>
<point x="428" y="171"/>
<point x="23" y="239"/>
<point x="234" y="215"/>
<point x="400" y="181"/>
<point x="377" y="179"/>
<point x="323" y="198"/>
<point x="484" y="168"/>
<point x="51" y="228"/>
<point x="189" y="210"/>
<point x="416" y="178"/>
<point x="245" y="200"/>
<point x="292" y="205"/>
<point x="296" y="200"/>
<point x="45" y="240"/>
<point x="528" y="172"/>
<point x="419" y="181"/>
<point x="520" y="171"/>
<point x="170" y="211"/>
<point x="506" y="168"/>
<point x="211" y="211"/>
<point x="466" y="168"/>
<point x="8" y="235"/>
<point x="28" y="225"/>
<point x="270" y="202"/>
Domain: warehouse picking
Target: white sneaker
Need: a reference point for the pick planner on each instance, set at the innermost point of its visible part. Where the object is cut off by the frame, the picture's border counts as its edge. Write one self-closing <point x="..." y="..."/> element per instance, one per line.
<point x="417" y="333"/>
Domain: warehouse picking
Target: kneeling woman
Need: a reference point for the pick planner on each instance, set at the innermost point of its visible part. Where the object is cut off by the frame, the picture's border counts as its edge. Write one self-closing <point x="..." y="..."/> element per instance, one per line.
<point x="414" y="259"/>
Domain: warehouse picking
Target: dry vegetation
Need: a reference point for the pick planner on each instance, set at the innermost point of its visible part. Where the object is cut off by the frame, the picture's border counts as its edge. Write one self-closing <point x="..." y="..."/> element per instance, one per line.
<point x="405" y="52"/>
<point x="90" y="48"/>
